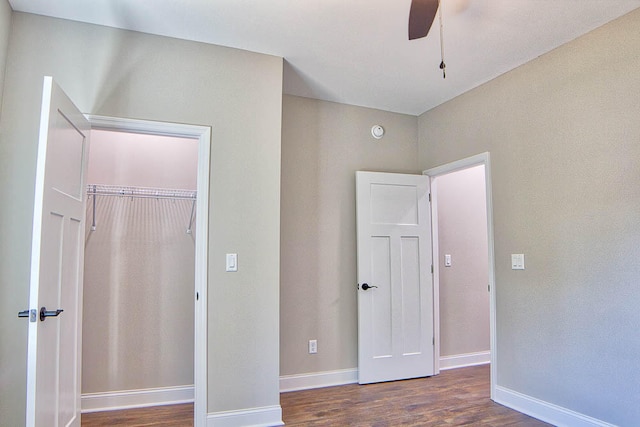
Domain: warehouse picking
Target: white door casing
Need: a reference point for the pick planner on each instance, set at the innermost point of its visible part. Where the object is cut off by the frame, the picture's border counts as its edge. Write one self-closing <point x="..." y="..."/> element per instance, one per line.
<point x="57" y="254"/>
<point x="479" y="159"/>
<point x="395" y="315"/>
<point x="203" y="135"/>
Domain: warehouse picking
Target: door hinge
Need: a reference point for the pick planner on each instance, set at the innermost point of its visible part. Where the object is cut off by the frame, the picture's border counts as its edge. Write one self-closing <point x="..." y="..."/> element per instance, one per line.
<point x="429" y="197"/>
<point x="431" y="268"/>
<point x="489" y="287"/>
<point x="433" y="340"/>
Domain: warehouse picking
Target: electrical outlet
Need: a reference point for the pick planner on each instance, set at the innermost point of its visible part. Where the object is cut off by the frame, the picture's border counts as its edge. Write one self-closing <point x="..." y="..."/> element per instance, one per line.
<point x="313" y="346"/>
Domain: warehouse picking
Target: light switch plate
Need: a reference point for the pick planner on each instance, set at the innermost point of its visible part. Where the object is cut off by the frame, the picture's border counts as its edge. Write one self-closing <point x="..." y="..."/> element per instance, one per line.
<point x="447" y="260"/>
<point x="232" y="262"/>
<point x="517" y="261"/>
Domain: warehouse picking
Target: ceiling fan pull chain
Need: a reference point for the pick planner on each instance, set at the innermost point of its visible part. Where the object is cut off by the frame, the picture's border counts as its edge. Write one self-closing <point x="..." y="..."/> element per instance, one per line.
<point x="442" y="64"/>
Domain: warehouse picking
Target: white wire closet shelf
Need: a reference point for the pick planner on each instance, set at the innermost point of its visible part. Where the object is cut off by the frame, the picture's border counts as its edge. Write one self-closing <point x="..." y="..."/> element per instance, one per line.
<point x="142" y="192"/>
<point x="96" y="190"/>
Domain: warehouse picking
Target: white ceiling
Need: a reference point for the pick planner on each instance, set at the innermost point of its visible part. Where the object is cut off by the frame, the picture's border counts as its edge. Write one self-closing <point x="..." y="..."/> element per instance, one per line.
<point x="356" y="51"/>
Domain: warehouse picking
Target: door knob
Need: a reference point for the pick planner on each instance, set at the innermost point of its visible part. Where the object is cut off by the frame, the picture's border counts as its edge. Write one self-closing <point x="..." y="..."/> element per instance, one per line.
<point x="52" y="313"/>
<point x="31" y="314"/>
<point x="366" y="286"/>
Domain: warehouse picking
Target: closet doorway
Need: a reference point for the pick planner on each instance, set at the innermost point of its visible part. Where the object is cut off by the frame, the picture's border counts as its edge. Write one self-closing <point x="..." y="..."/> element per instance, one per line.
<point x="464" y="272"/>
<point x="460" y="203"/>
<point x="143" y="270"/>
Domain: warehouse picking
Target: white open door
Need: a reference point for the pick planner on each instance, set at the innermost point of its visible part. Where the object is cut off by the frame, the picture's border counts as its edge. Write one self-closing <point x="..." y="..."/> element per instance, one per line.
<point x="54" y="351"/>
<point x="395" y="287"/>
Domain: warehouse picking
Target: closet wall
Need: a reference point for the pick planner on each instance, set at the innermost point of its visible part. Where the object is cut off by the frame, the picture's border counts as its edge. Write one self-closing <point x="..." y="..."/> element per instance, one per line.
<point x="139" y="266"/>
<point x="464" y="296"/>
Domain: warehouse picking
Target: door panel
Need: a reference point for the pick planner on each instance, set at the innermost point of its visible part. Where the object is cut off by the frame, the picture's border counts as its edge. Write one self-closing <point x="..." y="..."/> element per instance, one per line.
<point x="411" y="312"/>
<point x="393" y="204"/>
<point x="395" y="315"/>
<point x="381" y="305"/>
<point x="53" y="368"/>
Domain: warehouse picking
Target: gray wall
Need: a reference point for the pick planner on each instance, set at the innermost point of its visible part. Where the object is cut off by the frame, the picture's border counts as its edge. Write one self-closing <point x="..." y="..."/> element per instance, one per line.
<point x="564" y="136"/>
<point x="462" y="233"/>
<point x="126" y="74"/>
<point x="5" y="28"/>
<point x="323" y="144"/>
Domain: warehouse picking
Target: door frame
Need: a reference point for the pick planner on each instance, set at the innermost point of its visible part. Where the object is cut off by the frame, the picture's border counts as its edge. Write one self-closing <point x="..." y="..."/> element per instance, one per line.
<point x="203" y="135"/>
<point x="477" y="160"/>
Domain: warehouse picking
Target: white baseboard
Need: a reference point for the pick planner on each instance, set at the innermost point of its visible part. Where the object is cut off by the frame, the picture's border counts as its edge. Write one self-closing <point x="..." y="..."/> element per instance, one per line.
<point x="266" y="416"/>
<point x="318" y="380"/>
<point x="545" y="411"/>
<point x="126" y="399"/>
<point x="464" y="360"/>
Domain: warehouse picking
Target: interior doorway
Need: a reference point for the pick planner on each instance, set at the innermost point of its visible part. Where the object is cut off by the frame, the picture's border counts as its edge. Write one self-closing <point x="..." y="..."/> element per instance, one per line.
<point x="139" y="268"/>
<point x="162" y="175"/>
<point x="463" y="262"/>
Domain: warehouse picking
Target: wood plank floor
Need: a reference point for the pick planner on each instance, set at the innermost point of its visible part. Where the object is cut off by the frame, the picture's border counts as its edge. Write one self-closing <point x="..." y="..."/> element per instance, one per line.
<point x="453" y="398"/>
<point x="166" y="416"/>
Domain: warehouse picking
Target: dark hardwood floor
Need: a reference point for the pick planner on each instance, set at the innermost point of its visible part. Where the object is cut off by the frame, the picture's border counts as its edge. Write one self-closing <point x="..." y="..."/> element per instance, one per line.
<point x="453" y="398"/>
<point x="166" y="416"/>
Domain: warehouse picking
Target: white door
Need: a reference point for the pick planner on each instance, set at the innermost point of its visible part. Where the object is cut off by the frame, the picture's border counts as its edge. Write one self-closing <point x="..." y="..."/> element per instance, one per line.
<point x="395" y="288"/>
<point x="53" y="360"/>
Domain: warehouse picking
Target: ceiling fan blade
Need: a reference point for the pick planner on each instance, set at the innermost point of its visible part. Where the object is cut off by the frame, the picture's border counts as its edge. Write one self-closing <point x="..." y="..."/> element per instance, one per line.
<point x="421" y="17"/>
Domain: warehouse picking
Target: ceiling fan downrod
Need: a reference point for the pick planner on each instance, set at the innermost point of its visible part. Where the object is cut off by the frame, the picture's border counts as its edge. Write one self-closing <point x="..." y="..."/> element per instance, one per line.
<point x="442" y="64"/>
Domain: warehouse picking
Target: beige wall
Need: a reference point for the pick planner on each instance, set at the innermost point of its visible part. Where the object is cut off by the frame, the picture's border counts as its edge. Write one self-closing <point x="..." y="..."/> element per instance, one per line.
<point x="323" y="144"/>
<point x="5" y="28"/>
<point x="126" y="74"/>
<point x="564" y="138"/>
<point x="139" y="266"/>
<point x="9" y="349"/>
<point x="462" y="233"/>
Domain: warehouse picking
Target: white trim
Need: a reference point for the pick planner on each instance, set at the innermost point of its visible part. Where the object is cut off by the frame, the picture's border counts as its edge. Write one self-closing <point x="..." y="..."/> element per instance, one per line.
<point x="178" y="130"/>
<point x="201" y="278"/>
<point x="265" y="416"/>
<point x="127" y="399"/>
<point x="203" y="135"/>
<point x="318" y="380"/>
<point x="479" y="159"/>
<point x="435" y="256"/>
<point x="466" y="163"/>
<point x="545" y="411"/>
<point x="465" y="360"/>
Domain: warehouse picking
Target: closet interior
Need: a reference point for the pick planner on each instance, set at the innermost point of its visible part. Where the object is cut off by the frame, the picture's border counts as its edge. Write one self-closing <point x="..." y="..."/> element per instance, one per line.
<point x="138" y="322"/>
